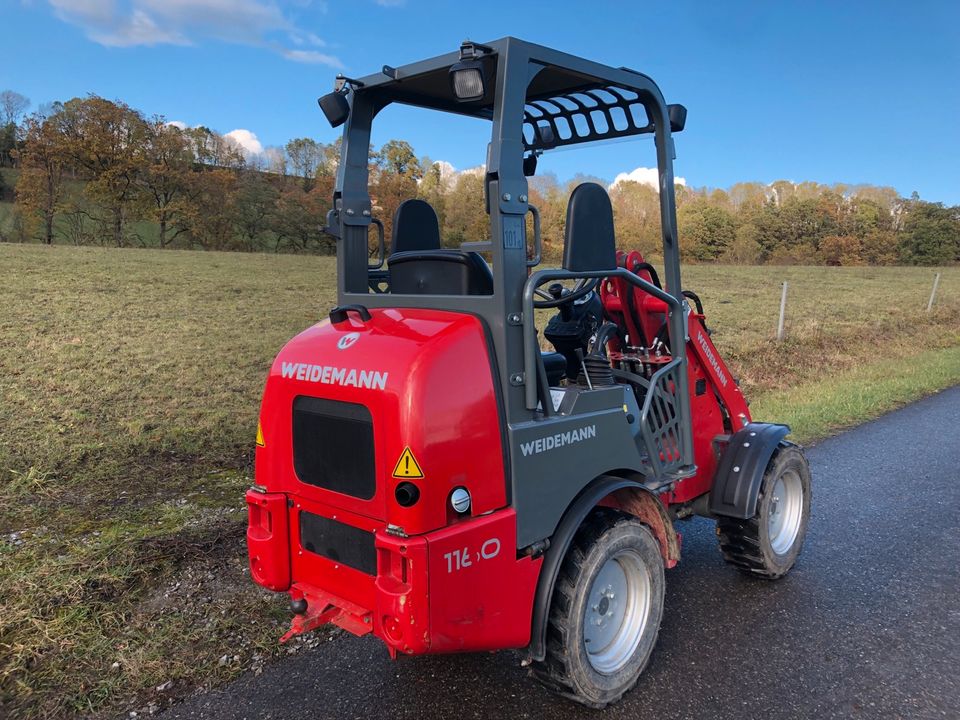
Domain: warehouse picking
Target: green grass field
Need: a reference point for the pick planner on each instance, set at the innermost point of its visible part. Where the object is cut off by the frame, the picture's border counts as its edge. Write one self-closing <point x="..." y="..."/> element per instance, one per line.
<point x="129" y="388"/>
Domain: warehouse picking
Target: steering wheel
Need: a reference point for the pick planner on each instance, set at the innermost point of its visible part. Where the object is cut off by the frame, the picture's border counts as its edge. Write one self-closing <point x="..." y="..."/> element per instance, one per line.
<point x="557" y="295"/>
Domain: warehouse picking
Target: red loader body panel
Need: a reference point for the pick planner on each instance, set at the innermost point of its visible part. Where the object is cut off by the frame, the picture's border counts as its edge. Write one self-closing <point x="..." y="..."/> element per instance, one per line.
<point x="710" y="380"/>
<point x="713" y="387"/>
<point x="422" y="381"/>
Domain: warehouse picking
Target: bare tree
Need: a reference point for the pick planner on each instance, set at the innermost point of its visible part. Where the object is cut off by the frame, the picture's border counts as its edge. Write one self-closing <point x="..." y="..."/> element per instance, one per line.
<point x="306" y="157"/>
<point x="13" y="106"/>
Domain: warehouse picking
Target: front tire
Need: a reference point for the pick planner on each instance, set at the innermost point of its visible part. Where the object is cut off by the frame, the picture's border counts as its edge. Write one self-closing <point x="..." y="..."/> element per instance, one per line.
<point x="767" y="545"/>
<point x="605" y="611"/>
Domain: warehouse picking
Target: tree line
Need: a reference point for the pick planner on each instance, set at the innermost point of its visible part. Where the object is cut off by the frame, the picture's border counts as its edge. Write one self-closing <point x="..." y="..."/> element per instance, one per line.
<point x="95" y="171"/>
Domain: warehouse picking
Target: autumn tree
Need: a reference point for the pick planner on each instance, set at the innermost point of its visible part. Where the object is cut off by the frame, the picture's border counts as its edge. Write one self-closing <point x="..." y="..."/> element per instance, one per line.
<point x="300" y="218"/>
<point x="879" y="247"/>
<point x="636" y="211"/>
<point x="306" y="156"/>
<point x="211" y="148"/>
<point x="433" y="188"/>
<point x="931" y="234"/>
<point x="197" y="188"/>
<point x="208" y="216"/>
<point x="745" y="248"/>
<point x="705" y="231"/>
<point x="466" y="217"/>
<point x="166" y="179"/>
<point x="394" y="172"/>
<point x="253" y="210"/>
<point x="747" y="195"/>
<point x="105" y="141"/>
<point x="550" y="199"/>
<point x="41" y="161"/>
<point x="8" y="144"/>
<point x="840" y="250"/>
<point x="397" y="157"/>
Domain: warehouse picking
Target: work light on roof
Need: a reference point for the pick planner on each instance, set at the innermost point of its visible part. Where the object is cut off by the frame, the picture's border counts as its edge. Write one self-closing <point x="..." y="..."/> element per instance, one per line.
<point x="466" y="76"/>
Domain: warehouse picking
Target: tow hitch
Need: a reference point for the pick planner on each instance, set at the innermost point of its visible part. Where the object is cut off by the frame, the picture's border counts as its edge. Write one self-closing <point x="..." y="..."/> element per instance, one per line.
<point x="313" y="608"/>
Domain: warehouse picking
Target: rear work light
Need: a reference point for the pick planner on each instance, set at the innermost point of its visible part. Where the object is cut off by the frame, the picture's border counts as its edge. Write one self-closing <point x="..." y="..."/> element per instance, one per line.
<point x="466" y="76"/>
<point x="467" y="80"/>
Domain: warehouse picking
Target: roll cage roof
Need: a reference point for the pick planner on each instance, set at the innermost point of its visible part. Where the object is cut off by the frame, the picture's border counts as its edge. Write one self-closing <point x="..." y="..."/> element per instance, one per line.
<point x="579" y="101"/>
<point x="536" y="98"/>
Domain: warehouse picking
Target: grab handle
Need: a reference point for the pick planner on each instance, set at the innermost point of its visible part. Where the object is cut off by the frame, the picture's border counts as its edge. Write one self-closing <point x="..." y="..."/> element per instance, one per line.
<point x="339" y="313"/>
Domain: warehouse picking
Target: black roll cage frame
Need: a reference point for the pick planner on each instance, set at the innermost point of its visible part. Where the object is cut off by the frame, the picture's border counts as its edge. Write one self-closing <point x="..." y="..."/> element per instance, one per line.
<point x="527" y="88"/>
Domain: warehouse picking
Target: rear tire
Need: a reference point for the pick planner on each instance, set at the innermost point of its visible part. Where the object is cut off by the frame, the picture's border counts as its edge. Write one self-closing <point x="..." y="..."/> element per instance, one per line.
<point x="767" y="545"/>
<point x="605" y="611"/>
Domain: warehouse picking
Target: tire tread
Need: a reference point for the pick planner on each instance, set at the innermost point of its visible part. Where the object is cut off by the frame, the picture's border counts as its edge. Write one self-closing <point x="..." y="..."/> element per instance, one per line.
<point x="553" y="670"/>
<point x="739" y="539"/>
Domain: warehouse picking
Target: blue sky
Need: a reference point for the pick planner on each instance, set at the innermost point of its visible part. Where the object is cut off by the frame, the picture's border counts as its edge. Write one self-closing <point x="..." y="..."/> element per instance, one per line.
<point x="855" y="92"/>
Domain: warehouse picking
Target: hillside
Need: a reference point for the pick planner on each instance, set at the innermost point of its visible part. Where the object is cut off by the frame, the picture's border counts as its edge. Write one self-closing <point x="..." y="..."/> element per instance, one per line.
<point x="168" y="186"/>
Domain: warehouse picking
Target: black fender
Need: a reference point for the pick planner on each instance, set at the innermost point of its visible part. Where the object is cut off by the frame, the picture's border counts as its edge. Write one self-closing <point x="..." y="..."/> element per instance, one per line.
<point x="736" y="484"/>
<point x="573" y="517"/>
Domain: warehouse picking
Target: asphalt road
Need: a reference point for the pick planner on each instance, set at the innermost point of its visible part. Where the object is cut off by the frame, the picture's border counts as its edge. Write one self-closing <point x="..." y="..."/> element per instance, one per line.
<point x="866" y="626"/>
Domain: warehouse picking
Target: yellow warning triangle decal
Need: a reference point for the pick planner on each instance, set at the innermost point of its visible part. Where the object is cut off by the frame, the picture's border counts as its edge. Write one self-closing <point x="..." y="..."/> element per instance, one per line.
<point x="407" y="466"/>
<point x="260" y="442"/>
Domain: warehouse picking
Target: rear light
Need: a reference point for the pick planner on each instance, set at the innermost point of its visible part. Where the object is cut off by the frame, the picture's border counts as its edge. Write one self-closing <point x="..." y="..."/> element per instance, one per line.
<point x="268" y="539"/>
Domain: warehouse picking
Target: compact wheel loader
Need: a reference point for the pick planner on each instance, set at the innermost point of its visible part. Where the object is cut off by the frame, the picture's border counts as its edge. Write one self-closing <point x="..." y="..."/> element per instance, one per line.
<point x="425" y="472"/>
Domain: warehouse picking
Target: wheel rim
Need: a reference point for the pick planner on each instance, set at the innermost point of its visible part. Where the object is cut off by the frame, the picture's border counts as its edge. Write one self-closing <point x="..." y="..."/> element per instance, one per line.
<point x="618" y="607"/>
<point x="786" y="512"/>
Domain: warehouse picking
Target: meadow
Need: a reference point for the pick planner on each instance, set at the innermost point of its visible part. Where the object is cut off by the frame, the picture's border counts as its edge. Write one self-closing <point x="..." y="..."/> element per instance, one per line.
<point x="129" y="390"/>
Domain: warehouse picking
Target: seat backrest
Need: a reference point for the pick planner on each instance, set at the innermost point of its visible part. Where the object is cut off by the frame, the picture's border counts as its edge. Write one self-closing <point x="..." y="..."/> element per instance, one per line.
<point x="415" y="227"/>
<point x="440" y="272"/>
<point x="589" y="242"/>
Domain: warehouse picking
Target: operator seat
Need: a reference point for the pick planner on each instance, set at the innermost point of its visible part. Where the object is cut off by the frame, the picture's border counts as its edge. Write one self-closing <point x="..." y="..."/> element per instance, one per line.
<point x="418" y="265"/>
<point x="415" y="227"/>
<point x="589" y="242"/>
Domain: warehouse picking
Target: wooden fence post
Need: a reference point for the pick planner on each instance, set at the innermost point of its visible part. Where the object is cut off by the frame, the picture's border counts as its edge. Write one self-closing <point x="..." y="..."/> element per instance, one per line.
<point x="783" y="308"/>
<point x="933" y="293"/>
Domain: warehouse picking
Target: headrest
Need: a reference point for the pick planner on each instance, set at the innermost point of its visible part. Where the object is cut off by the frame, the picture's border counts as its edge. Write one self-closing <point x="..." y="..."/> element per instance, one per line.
<point x="589" y="242"/>
<point x="415" y="227"/>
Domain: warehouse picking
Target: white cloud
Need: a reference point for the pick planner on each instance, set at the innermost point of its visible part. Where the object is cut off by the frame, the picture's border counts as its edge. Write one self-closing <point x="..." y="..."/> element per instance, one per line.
<point x="311" y="56"/>
<point x="128" y="23"/>
<point x="137" y="29"/>
<point x="299" y="38"/>
<point x="91" y="11"/>
<point x="247" y="140"/>
<point x="644" y="176"/>
<point x="234" y="20"/>
<point x="178" y="124"/>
